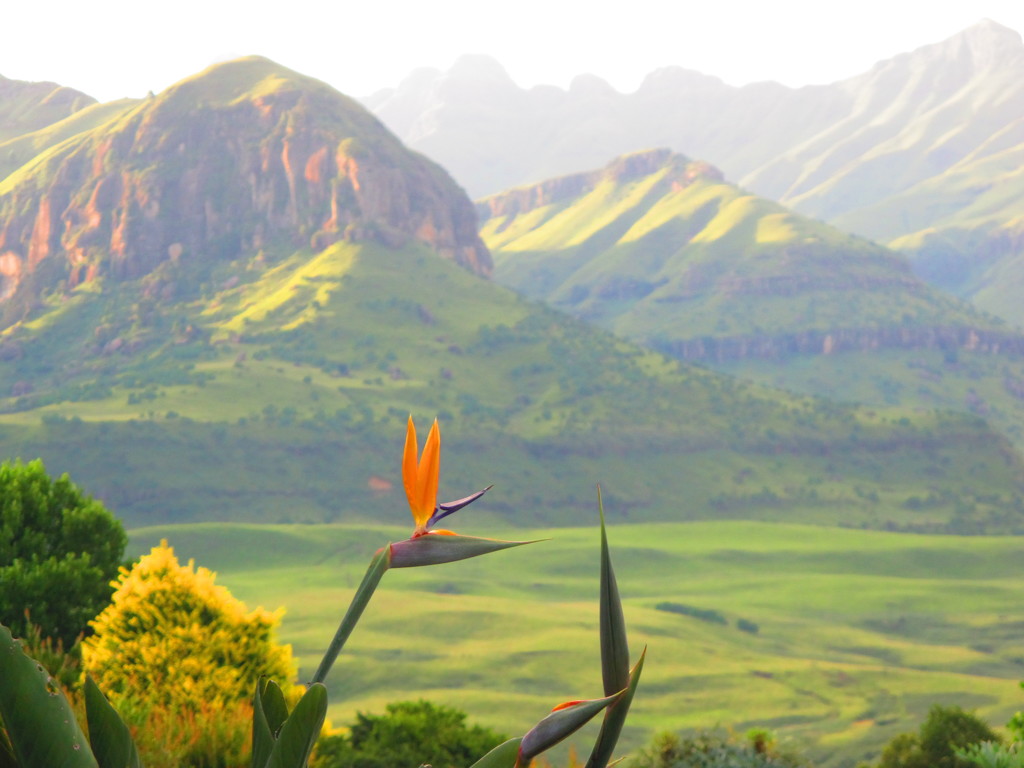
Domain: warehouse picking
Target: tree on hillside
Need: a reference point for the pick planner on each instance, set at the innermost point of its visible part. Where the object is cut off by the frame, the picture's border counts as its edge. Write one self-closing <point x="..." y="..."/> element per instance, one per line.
<point x="410" y="733"/>
<point x="59" y="550"/>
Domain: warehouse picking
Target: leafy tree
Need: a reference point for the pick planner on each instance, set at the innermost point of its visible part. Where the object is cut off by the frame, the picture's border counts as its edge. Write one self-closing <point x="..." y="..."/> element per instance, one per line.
<point x="945" y="731"/>
<point x="59" y="550"/>
<point x="411" y="733"/>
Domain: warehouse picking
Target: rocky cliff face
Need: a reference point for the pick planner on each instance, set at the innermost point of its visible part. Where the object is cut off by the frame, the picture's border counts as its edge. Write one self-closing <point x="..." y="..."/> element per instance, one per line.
<point x="784" y="346"/>
<point x="244" y="156"/>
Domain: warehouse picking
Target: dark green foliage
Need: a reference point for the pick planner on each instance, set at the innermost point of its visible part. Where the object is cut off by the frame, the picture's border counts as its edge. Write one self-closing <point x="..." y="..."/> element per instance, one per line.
<point x="710" y="750"/>
<point x="704" y="614"/>
<point x="411" y="733"/>
<point x="935" y="745"/>
<point x="746" y="625"/>
<point x="59" y="550"/>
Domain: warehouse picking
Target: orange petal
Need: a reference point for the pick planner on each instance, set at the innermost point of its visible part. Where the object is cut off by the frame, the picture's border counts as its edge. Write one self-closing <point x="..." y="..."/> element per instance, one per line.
<point x="427" y="476"/>
<point x="567" y="704"/>
<point x="409" y="467"/>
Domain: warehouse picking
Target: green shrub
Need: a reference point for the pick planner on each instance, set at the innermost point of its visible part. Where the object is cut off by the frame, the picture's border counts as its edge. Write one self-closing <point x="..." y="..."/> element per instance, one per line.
<point x="410" y="733"/>
<point x="944" y="732"/>
<point x="711" y="750"/>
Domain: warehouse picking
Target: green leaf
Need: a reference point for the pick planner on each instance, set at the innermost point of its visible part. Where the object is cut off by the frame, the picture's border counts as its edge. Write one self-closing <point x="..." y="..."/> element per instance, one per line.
<point x="269" y="713"/>
<point x="274" y="705"/>
<point x="614" y="719"/>
<point x="110" y="738"/>
<point x="437" y="548"/>
<point x="504" y="755"/>
<point x="300" y="731"/>
<point x="614" y="648"/>
<point x="39" y="720"/>
<point x="562" y="722"/>
<point x="378" y="566"/>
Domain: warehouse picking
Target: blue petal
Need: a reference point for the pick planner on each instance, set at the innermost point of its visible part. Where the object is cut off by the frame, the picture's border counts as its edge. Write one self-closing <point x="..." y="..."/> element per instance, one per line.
<point x="443" y="510"/>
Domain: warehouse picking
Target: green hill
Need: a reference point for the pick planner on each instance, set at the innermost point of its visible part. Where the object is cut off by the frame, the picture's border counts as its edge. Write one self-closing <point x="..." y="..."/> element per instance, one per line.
<point x="857" y="633"/>
<point x="27" y="107"/>
<point x="661" y="250"/>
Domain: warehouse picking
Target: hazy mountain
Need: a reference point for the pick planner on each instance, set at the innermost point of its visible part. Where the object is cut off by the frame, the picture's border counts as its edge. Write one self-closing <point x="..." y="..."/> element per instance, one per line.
<point x="661" y="250"/>
<point x="224" y="301"/>
<point x="922" y="151"/>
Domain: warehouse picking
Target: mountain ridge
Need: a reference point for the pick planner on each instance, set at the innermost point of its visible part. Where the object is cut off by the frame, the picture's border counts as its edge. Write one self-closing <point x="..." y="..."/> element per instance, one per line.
<point x="897" y="154"/>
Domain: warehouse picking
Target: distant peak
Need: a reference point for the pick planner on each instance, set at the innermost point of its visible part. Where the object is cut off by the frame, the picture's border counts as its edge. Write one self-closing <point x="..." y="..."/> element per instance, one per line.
<point x="679" y="77"/>
<point x="986" y="43"/>
<point x="993" y="28"/>
<point x="587" y="84"/>
<point x="478" y="66"/>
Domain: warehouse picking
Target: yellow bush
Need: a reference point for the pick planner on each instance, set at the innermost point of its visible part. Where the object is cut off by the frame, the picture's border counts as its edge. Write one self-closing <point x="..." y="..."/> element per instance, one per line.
<point x="171" y="635"/>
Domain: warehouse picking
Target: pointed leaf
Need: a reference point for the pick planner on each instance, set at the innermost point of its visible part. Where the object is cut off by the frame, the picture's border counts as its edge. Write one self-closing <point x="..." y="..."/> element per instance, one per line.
<point x="562" y="722"/>
<point x="614" y="719"/>
<point x="300" y="731"/>
<point x="269" y="713"/>
<point x="274" y="705"/>
<point x="502" y="756"/>
<point x="262" y="737"/>
<point x="437" y="548"/>
<point x="378" y="566"/>
<point x="41" y="726"/>
<point x="614" y="648"/>
<point x="110" y="738"/>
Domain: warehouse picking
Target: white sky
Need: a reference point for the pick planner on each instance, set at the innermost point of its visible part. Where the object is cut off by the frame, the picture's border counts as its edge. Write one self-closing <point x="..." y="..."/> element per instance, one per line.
<point x="114" y="48"/>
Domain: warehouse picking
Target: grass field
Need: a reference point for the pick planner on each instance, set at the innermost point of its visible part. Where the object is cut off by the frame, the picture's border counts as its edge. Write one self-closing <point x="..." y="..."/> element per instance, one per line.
<point x="859" y="632"/>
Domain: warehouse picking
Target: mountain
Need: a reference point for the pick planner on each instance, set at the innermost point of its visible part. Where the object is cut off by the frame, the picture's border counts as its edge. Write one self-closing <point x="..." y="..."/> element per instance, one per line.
<point x="174" y="180"/>
<point x="223" y="302"/>
<point x="26" y="107"/>
<point x="660" y="250"/>
<point x="921" y="152"/>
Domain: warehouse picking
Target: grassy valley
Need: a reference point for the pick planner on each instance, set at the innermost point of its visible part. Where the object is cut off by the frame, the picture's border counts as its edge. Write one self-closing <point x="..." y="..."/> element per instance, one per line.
<point x="857" y="633"/>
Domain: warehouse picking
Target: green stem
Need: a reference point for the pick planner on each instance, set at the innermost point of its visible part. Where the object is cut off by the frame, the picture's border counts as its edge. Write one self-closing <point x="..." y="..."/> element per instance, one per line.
<point x="380" y="563"/>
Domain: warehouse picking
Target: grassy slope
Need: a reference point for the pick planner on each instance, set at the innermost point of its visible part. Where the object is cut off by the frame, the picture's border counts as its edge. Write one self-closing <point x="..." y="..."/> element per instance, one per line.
<point x="962" y="228"/>
<point x="706" y="260"/>
<point x="860" y="632"/>
<point x="21" y="149"/>
<point x="308" y="370"/>
<point x="27" y="107"/>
